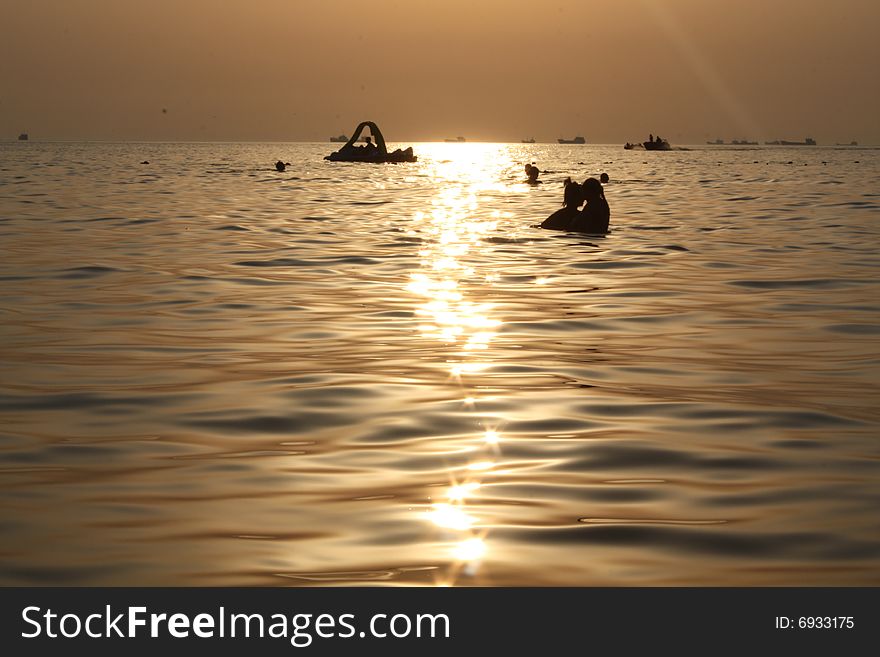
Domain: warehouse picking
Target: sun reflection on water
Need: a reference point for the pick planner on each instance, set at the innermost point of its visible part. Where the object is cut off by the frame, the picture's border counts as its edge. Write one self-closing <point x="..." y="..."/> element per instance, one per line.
<point x="449" y="284"/>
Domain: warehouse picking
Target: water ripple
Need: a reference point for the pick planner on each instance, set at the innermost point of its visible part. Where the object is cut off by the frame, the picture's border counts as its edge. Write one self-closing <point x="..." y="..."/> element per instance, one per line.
<point x="215" y="374"/>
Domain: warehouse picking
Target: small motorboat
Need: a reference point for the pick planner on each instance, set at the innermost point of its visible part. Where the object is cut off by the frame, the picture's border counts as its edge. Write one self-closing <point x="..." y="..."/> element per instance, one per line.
<point x="23" y="136"/>
<point x="528" y="141"/>
<point x="657" y="145"/>
<point x="374" y="153"/>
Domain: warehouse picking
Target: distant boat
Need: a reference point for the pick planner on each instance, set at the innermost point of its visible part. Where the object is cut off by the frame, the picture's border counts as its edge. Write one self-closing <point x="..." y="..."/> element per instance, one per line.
<point x="456" y="140"/>
<point x="743" y="142"/>
<point x="341" y="139"/>
<point x="717" y="142"/>
<point x="782" y="142"/>
<point x="23" y="136"/>
<point x="657" y="145"/>
<point x="576" y="140"/>
<point x="852" y="143"/>
<point x="528" y="141"/>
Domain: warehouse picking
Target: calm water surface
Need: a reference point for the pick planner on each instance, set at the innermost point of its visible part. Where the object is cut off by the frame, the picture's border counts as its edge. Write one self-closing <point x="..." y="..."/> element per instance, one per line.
<point x="217" y="374"/>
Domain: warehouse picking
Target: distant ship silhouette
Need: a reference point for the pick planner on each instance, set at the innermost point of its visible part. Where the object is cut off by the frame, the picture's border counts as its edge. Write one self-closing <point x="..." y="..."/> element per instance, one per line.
<point x="809" y="141"/>
<point x="735" y="142"/>
<point x="576" y="140"/>
<point x="23" y="136"/>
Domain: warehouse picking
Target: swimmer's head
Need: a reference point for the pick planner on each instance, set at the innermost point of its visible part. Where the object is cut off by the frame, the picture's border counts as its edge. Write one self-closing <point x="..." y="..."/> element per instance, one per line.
<point x="573" y="195"/>
<point x="603" y="178"/>
<point x="592" y="188"/>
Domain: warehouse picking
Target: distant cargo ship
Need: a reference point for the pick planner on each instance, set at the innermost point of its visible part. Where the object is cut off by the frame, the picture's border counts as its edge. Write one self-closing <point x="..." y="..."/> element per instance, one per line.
<point x="456" y="140"/>
<point x="782" y="142"/>
<point x="528" y="141"/>
<point x="576" y="140"/>
<point x="735" y="142"/>
<point x="852" y="143"/>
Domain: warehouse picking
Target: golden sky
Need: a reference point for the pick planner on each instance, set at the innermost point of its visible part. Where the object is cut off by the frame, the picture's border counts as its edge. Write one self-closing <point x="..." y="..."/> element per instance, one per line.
<point x="612" y="71"/>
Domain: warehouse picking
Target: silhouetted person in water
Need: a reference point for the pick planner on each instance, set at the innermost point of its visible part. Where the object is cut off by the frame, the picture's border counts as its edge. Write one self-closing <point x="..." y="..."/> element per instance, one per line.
<point x="596" y="215"/>
<point x="603" y="178"/>
<point x="279" y="166"/>
<point x="572" y="197"/>
<point x="532" y="172"/>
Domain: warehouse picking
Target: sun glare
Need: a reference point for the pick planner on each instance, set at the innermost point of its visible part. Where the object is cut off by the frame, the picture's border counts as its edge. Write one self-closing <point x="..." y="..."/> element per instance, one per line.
<point x="451" y="287"/>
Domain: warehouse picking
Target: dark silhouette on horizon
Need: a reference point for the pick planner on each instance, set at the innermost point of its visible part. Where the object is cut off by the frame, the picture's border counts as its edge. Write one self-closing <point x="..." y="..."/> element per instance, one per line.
<point x="808" y="141"/>
<point x="656" y="144"/>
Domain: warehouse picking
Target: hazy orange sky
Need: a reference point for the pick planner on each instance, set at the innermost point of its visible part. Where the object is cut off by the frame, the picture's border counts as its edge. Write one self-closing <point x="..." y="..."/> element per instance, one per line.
<point x="690" y="70"/>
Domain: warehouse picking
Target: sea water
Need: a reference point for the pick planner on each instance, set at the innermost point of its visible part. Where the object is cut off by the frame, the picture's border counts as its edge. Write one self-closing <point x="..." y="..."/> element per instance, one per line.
<point x="214" y="373"/>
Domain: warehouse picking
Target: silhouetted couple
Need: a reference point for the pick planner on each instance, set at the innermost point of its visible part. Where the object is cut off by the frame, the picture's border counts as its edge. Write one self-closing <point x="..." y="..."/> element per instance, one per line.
<point x="532" y="174"/>
<point x="593" y="218"/>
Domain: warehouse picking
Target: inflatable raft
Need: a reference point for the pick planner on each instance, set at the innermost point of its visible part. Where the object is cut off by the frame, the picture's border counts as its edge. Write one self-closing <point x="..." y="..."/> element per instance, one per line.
<point x="374" y="153"/>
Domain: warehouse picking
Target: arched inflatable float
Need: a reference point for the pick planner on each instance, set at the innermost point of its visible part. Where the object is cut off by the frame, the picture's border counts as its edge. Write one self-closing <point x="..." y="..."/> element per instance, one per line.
<point x="375" y="153"/>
